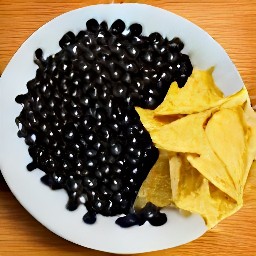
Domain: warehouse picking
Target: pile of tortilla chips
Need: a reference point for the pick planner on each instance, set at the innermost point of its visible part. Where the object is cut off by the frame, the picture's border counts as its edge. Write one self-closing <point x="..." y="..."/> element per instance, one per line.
<point x="207" y="144"/>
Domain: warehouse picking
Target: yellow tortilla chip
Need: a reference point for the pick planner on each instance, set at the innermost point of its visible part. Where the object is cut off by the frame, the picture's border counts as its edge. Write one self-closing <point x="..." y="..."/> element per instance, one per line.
<point x="213" y="170"/>
<point x="226" y="133"/>
<point x="151" y="121"/>
<point x="183" y="135"/>
<point x="250" y="118"/>
<point x="192" y="192"/>
<point x="234" y="100"/>
<point x="199" y="94"/>
<point x="184" y="177"/>
<point x="157" y="186"/>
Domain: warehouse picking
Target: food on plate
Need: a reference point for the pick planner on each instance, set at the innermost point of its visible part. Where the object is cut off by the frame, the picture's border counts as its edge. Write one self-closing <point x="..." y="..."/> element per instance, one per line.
<point x="78" y="117"/>
<point x="193" y="192"/>
<point x="151" y="121"/>
<point x="210" y="148"/>
<point x="200" y="93"/>
<point x="157" y="186"/>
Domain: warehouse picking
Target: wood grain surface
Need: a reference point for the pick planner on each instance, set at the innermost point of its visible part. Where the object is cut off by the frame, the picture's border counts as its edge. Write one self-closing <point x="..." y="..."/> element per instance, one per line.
<point x="233" y="25"/>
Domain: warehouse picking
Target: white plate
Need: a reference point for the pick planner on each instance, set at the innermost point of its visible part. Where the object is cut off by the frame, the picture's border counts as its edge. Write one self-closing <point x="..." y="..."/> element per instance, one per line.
<point x="47" y="206"/>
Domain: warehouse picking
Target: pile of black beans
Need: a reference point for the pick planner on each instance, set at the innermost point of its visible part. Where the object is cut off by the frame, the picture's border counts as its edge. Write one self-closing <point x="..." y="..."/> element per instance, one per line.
<point x="78" y="116"/>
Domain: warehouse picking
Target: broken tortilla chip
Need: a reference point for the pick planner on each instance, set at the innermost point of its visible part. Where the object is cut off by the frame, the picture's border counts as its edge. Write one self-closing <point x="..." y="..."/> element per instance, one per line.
<point x="157" y="186"/>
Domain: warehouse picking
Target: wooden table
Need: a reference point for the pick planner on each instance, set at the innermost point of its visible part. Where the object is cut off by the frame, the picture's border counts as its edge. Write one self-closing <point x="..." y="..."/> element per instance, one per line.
<point x="233" y="25"/>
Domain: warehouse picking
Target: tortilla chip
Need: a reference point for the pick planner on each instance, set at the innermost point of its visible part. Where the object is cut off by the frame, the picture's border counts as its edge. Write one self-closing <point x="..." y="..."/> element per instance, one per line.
<point x="192" y="192"/>
<point x="199" y="94"/>
<point x="234" y="100"/>
<point x="226" y="133"/>
<point x="213" y="170"/>
<point x="250" y="118"/>
<point x="182" y="135"/>
<point x="151" y="121"/>
<point x="157" y="186"/>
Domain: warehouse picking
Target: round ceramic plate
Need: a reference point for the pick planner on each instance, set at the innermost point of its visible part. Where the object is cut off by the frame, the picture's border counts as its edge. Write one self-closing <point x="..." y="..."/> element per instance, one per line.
<point x="48" y="206"/>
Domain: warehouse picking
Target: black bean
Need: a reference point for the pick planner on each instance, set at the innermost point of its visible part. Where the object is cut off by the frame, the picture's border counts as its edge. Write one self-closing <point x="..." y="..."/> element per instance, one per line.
<point x="67" y="39"/>
<point x="127" y="78"/>
<point x="72" y="185"/>
<point x="31" y="166"/>
<point x="91" y="153"/>
<point x="120" y="90"/>
<point x="132" y="51"/>
<point x="88" y="54"/>
<point x="159" y="220"/>
<point x="116" y="149"/>
<point x="90" y="182"/>
<point x="151" y="102"/>
<point x="116" y="184"/>
<point x="172" y="57"/>
<point x="91" y="164"/>
<point x="89" y="218"/>
<point x="135" y="29"/>
<point x="116" y="74"/>
<point x="92" y="25"/>
<point x="39" y="53"/>
<point x="129" y="221"/>
<point x="86" y="41"/>
<point x="156" y="38"/>
<point x="49" y="181"/>
<point x="176" y="44"/>
<point x="137" y="41"/>
<point x="106" y="191"/>
<point x="103" y="37"/>
<point x="72" y="204"/>
<point x="117" y="27"/>
<point x="103" y="26"/>
<point x="99" y="205"/>
<point x="147" y="56"/>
